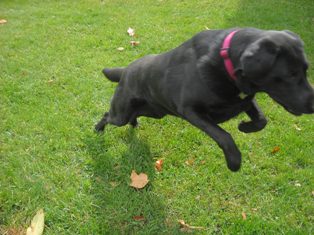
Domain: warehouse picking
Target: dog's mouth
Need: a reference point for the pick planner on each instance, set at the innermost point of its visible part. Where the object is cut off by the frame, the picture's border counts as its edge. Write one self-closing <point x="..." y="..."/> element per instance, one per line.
<point x="294" y="112"/>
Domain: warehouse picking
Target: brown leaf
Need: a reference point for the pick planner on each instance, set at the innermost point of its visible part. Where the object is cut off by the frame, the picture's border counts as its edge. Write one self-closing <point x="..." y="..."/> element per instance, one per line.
<point x="243" y="216"/>
<point x="3" y="21"/>
<point x="185" y="227"/>
<point x="37" y="224"/>
<point x="275" y="149"/>
<point x="138" y="218"/>
<point x="190" y="162"/>
<point x="138" y="181"/>
<point x="158" y="164"/>
<point x="131" y="32"/>
<point x="134" y="43"/>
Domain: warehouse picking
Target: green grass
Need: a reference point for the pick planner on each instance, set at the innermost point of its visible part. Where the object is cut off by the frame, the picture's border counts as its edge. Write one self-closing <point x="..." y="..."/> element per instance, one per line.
<point x="52" y="92"/>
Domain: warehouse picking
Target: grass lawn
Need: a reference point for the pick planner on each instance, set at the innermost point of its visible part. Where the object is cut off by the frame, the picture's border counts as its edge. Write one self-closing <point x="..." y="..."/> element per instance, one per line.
<point x="52" y="93"/>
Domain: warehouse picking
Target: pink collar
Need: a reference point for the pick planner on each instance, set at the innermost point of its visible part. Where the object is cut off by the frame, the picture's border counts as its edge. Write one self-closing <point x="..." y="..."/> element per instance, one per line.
<point x="224" y="53"/>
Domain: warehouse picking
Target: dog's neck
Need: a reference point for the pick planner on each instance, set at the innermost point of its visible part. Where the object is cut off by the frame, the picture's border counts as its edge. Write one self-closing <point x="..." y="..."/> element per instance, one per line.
<point x="240" y="41"/>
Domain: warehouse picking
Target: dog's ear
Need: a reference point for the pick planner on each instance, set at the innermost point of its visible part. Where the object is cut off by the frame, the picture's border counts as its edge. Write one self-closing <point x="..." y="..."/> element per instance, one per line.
<point x="258" y="58"/>
<point x="295" y="36"/>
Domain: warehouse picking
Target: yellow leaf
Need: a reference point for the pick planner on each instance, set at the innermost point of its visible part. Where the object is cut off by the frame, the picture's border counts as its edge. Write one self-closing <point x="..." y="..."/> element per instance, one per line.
<point x="37" y="224"/>
<point x="138" y="181"/>
<point x="3" y="21"/>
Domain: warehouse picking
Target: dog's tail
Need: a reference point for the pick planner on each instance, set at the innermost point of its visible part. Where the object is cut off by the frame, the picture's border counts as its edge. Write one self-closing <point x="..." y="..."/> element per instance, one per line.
<point x="113" y="74"/>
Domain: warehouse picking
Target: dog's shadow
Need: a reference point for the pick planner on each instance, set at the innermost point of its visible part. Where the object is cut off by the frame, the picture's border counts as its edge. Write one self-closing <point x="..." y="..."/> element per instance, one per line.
<point x="118" y="206"/>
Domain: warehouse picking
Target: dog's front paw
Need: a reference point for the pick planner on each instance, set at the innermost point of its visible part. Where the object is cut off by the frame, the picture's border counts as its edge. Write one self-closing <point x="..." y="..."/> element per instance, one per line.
<point x="249" y="127"/>
<point x="234" y="161"/>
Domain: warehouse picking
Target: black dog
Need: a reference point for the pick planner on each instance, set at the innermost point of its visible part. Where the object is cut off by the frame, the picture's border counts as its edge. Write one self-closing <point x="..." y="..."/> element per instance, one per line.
<point x="202" y="79"/>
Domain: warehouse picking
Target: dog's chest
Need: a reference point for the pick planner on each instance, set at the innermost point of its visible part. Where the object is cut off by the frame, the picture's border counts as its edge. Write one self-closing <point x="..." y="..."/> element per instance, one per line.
<point x="228" y="109"/>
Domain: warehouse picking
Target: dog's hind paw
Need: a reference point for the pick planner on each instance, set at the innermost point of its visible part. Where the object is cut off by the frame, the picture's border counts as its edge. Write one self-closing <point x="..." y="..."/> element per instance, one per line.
<point x="99" y="127"/>
<point x="134" y="123"/>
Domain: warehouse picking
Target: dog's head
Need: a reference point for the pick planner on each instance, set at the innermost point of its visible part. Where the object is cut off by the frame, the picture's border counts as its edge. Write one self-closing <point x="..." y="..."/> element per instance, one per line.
<point x="276" y="64"/>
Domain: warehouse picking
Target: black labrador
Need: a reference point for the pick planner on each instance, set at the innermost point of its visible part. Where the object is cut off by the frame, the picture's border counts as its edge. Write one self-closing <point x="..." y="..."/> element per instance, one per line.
<point x="204" y="79"/>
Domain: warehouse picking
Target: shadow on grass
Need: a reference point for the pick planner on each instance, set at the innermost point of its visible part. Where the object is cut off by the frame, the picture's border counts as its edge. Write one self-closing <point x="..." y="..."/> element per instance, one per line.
<point x="116" y="203"/>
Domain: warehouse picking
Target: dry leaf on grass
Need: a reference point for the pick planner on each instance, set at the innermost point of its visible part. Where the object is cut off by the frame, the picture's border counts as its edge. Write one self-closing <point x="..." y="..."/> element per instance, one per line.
<point x="158" y="164"/>
<point x="138" y="218"/>
<point x="313" y="193"/>
<point x="3" y="21"/>
<point x="120" y="48"/>
<point x="297" y="128"/>
<point x="138" y="181"/>
<point x="275" y="149"/>
<point x="190" y="162"/>
<point x="134" y="43"/>
<point x="185" y="227"/>
<point x="131" y="32"/>
<point x="37" y="224"/>
<point x="243" y="216"/>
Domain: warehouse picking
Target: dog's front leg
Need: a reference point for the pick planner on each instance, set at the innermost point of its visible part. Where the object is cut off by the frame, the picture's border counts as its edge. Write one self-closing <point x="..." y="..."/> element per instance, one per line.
<point x="258" y="120"/>
<point x="222" y="138"/>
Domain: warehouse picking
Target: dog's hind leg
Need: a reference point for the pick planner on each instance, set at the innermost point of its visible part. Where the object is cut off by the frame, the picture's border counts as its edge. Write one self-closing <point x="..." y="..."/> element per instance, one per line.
<point x="100" y="126"/>
<point x="144" y="109"/>
<point x="120" y="112"/>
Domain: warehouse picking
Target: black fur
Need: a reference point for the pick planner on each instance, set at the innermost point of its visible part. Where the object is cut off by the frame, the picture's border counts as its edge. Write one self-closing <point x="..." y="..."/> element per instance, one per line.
<point x="191" y="82"/>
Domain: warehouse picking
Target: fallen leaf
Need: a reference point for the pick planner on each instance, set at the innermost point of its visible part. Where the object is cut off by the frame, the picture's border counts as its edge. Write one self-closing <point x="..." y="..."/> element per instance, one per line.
<point x="190" y="161"/>
<point x="297" y="184"/>
<point x="158" y="164"/>
<point x="138" y="181"/>
<point x="297" y="128"/>
<point x="243" y="216"/>
<point x="37" y="224"/>
<point x="185" y="227"/>
<point x="275" y="149"/>
<point x="131" y="32"/>
<point x="134" y="43"/>
<point x="120" y="48"/>
<point x="138" y="218"/>
<point x="313" y="193"/>
<point x="3" y="21"/>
